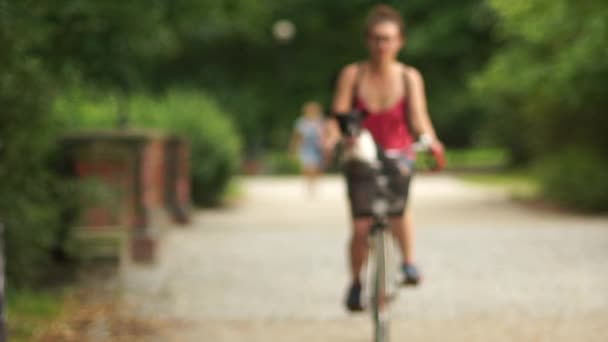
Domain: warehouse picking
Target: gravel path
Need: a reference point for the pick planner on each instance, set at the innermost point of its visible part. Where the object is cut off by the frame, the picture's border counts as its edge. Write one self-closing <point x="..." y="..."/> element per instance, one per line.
<point x="273" y="268"/>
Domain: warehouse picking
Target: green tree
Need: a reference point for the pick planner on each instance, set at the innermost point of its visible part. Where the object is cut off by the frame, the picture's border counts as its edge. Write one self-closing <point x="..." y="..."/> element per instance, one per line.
<point x="263" y="82"/>
<point x="43" y="47"/>
<point x="544" y="92"/>
<point x="26" y="136"/>
<point x="544" y="88"/>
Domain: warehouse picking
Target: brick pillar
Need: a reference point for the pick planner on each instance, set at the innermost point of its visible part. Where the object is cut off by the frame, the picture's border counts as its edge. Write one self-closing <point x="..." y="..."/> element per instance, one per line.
<point x="152" y="218"/>
<point x="177" y="187"/>
<point x="131" y="167"/>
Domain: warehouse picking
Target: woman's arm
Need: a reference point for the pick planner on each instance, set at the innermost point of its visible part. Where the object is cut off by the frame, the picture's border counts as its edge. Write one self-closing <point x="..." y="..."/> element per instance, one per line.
<point x="331" y="136"/>
<point x="331" y="133"/>
<point x="420" y="116"/>
<point x="343" y="93"/>
<point x="342" y="101"/>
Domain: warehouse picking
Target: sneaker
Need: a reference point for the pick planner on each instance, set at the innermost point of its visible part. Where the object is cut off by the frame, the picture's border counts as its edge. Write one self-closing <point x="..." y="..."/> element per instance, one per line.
<point x="411" y="275"/>
<point x="353" y="299"/>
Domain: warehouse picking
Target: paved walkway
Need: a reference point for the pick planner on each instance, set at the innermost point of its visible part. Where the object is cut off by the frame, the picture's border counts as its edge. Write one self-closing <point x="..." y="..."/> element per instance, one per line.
<point x="273" y="268"/>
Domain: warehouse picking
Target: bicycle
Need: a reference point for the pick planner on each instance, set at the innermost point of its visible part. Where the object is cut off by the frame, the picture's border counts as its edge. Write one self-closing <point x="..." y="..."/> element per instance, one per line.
<point x="381" y="264"/>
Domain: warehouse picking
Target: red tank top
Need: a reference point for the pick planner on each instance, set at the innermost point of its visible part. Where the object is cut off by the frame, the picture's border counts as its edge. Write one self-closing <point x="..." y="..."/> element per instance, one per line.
<point x="389" y="127"/>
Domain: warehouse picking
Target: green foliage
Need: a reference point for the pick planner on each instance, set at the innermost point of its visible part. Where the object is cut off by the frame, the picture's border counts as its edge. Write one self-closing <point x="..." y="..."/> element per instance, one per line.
<point x="543" y="89"/>
<point x="544" y="92"/>
<point x="446" y="41"/>
<point x="281" y="163"/>
<point x="82" y="109"/>
<point x="519" y="183"/>
<point x="215" y="146"/>
<point x="110" y="46"/>
<point x="576" y="177"/>
<point x="469" y="159"/>
<point x="112" y="43"/>
<point x="476" y="158"/>
<point x="29" y="311"/>
<point x="209" y="19"/>
<point x="228" y="48"/>
<point x="449" y="42"/>
<point x="28" y="188"/>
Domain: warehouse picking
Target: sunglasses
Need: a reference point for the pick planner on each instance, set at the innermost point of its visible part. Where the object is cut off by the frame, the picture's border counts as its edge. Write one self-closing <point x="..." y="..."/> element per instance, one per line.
<point x="378" y="38"/>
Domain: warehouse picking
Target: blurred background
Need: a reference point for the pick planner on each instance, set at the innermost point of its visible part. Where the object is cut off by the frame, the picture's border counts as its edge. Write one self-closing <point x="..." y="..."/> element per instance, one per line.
<point x="516" y="90"/>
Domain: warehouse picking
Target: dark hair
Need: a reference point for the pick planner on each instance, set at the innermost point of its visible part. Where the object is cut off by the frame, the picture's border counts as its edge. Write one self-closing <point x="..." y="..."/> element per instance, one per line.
<point x="383" y="13"/>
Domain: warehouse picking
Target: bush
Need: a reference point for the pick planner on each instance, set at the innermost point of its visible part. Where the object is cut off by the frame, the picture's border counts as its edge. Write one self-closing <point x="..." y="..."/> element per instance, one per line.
<point x="576" y="178"/>
<point x="214" y="142"/>
<point x="30" y="208"/>
<point x="281" y="163"/>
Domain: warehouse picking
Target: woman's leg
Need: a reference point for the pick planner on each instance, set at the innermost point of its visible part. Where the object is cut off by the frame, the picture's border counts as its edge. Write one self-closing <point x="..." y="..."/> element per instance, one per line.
<point x="403" y="231"/>
<point x="402" y="226"/>
<point x="311" y="174"/>
<point x="358" y="246"/>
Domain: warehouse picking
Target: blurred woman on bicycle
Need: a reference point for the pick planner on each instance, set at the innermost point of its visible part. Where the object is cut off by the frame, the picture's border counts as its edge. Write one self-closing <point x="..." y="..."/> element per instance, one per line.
<point x="391" y="97"/>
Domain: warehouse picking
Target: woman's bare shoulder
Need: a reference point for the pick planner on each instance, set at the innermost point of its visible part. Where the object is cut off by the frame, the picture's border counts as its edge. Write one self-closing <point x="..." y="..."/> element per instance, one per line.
<point x="411" y="72"/>
<point x="348" y="73"/>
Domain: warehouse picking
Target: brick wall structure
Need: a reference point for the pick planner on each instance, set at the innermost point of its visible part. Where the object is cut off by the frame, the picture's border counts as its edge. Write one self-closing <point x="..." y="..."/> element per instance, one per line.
<point x="131" y="173"/>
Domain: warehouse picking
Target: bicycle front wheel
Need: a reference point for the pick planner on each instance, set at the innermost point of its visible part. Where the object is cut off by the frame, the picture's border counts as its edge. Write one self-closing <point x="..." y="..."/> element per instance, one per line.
<point x="380" y="298"/>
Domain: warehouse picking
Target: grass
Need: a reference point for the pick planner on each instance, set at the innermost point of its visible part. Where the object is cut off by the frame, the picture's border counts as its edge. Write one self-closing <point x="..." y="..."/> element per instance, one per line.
<point x="29" y="312"/>
<point x="488" y="167"/>
<point x="281" y="163"/>
<point x="232" y="193"/>
<point x="476" y="158"/>
<point x="73" y="314"/>
<point x="520" y="183"/>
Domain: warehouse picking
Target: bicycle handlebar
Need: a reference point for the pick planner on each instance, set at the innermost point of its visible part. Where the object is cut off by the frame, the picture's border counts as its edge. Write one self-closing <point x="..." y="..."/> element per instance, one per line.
<point x="350" y="126"/>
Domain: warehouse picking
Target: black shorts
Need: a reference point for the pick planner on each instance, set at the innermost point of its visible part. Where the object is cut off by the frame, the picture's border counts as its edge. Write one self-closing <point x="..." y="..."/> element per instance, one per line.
<point x="362" y="188"/>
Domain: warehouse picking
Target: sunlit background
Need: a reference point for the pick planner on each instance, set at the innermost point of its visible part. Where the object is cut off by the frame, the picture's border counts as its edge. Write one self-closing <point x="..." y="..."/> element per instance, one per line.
<point x="145" y="143"/>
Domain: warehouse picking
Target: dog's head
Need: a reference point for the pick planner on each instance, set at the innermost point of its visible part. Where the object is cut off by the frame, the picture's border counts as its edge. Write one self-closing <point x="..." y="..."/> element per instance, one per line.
<point x="364" y="148"/>
<point x="350" y="123"/>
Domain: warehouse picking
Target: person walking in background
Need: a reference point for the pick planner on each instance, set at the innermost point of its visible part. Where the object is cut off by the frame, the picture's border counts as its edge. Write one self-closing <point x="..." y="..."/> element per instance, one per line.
<point x="308" y="142"/>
